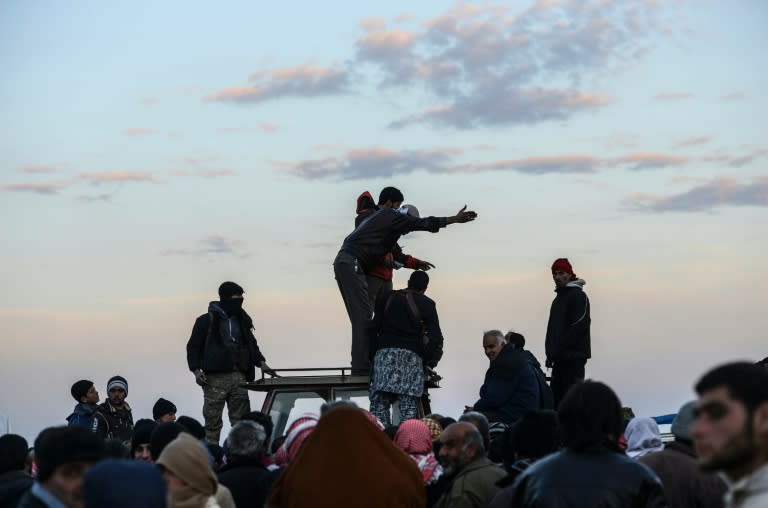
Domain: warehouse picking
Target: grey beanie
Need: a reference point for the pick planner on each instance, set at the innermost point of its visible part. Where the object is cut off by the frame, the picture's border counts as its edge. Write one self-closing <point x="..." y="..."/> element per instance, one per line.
<point x="681" y="425"/>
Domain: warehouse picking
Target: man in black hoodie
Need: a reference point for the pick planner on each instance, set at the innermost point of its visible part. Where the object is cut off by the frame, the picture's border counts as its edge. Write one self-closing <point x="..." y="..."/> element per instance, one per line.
<point x="222" y="353"/>
<point x="568" y="343"/>
<point x="362" y="250"/>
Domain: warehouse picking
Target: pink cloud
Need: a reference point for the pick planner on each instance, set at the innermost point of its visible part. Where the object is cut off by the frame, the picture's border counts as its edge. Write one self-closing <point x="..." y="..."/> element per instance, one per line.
<point x="47" y="189"/>
<point x="646" y="160"/>
<point x="267" y="127"/>
<point x="117" y="176"/>
<point x="136" y="131"/>
<point x="150" y="101"/>
<point x="733" y="96"/>
<point x="38" y="169"/>
<point x="306" y="80"/>
<point x="698" y="140"/>
<point x="673" y="96"/>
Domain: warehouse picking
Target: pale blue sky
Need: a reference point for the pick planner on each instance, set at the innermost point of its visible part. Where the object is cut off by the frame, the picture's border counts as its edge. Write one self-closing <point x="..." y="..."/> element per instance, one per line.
<point x="150" y="151"/>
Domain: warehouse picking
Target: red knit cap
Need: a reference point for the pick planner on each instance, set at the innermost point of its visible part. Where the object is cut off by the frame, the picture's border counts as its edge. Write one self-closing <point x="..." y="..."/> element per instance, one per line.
<point x="563" y="265"/>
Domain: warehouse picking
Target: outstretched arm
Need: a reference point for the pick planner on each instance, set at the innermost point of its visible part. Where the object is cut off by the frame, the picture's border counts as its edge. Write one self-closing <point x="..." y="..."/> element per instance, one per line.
<point x="462" y="216"/>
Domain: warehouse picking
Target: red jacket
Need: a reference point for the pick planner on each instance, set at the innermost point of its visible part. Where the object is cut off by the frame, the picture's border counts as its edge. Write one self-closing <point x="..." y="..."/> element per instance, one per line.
<point x="382" y="270"/>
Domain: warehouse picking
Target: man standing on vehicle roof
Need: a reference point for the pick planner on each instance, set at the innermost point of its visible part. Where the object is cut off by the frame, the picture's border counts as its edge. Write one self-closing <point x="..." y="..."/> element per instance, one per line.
<point x="222" y="353"/>
<point x="568" y="343"/>
<point x="362" y="249"/>
<point x="379" y="277"/>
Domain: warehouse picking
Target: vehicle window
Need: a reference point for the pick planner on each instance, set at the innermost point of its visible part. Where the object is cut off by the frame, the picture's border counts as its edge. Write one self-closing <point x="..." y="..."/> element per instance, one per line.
<point x="288" y="406"/>
<point x="359" y="396"/>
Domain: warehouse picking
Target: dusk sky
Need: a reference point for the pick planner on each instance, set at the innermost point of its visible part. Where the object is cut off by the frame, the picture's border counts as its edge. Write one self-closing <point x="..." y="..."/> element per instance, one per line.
<point x="151" y="150"/>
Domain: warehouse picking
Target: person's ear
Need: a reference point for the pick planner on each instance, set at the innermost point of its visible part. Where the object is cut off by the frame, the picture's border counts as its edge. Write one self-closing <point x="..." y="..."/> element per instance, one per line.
<point x="760" y="422"/>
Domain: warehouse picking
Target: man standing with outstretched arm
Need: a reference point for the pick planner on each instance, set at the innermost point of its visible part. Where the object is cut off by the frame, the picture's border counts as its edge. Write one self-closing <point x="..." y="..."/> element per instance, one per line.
<point x="568" y="343"/>
<point x="361" y="250"/>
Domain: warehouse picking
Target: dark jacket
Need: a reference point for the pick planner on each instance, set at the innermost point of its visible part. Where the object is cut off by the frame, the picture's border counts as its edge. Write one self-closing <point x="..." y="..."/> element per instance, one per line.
<point x="89" y="417"/>
<point x="511" y="387"/>
<point x="13" y="485"/>
<point x="597" y="477"/>
<point x="474" y="486"/>
<point x="221" y="343"/>
<point x="395" y="326"/>
<point x="396" y="258"/>
<point x="569" y="322"/>
<point x="377" y="235"/>
<point x="685" y="484"/>
<point x="248" y="481"/>
<point x="118" y="423"/>
<point x="29" y="500"/>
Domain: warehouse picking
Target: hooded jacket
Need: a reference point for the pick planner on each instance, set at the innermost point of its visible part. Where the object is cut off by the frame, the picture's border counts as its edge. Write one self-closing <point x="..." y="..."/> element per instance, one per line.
<point x="88" y="416"/>
<point x="377" y="235"/>
<point x="473" y="486"/>
<point x="209" y="346"/>
<point x="384" y="268"/>
<point x="569" y="322"/>
<point x="511" y="387"/>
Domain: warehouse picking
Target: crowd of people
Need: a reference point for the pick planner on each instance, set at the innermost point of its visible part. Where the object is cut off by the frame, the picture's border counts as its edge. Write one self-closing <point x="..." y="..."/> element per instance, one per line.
<point x="525" y="442"/>
<point x="585" y="453"/>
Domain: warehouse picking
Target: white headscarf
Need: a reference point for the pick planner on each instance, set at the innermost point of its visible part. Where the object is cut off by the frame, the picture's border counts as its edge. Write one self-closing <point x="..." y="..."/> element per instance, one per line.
<point x="643" y="437"/>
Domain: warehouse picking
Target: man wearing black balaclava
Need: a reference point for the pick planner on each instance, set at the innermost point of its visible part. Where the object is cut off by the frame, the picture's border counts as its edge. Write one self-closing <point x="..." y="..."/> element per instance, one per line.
<point x="222" y="353"/>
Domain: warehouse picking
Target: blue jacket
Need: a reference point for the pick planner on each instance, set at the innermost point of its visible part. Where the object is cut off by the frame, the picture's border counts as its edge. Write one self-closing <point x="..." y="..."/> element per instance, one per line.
<point x="87" y="416"/>
<point x="511" y="388"/>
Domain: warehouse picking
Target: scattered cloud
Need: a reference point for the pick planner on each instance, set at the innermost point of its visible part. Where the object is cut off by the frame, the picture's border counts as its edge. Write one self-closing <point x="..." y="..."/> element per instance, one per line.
<point x="705" y="197"/>
<point x="734" y="96"/>
<point x="306" y="80"/>
<point x="117" y="177"/>
<point x="483" y="65"/>
<point x="92" y="199"/>
<point x="673" y="96"/>
<point x="45" y="188"/>
<point x="149" y="101"/>
<point x="697" y="140"/>
<point x="38" y="169"/>
<point x="210" y="245"/>
<point x="137" y="131"/>
<point x="644" y="160"/>
<point x="263" y="127"/>
<point x="267" y="127"/>
<point x="205" y="173"/>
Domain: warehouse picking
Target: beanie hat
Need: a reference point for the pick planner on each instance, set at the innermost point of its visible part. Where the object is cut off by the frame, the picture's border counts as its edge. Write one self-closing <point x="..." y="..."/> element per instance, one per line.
<point x="192" y="426"/>
<point x="124" y="484"/>
<point x="142" y="433"/>
<point x="681" y="425"/>
<point x="228" y="289"/>
<point x="80" y="389"/>
<point x="563" y="265"/>
<point x="161" y="436"/>
<point x="162" y="407"/>
<point x="118" y="382"/>
<point x="56" y="446"/>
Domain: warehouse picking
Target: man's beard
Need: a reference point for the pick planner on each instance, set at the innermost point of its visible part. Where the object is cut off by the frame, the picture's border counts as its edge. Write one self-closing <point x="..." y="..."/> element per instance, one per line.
<point x="457" y="465"/>
<point x="740" y="450"/>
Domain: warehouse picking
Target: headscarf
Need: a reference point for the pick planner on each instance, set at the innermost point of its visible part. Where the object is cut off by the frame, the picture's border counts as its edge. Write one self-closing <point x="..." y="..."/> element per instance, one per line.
<point x="349" y="462"/>
<point x="435" y="429"/>
<point x="373" y="419"/>
<point x="415" y="439"/>
<point x="298" y="431"/>
<point x="643" y="437"/>
<point x="186" y="459"/>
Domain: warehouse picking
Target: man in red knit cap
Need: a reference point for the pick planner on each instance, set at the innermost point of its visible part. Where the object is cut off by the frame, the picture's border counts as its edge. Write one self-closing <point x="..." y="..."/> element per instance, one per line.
<point x="568" y="341"/>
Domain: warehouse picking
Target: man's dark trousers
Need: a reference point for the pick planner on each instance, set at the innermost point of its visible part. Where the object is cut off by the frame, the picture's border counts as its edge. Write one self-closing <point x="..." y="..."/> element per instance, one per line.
<point x="354" y="290"/>
<point x="566" y="373"/>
